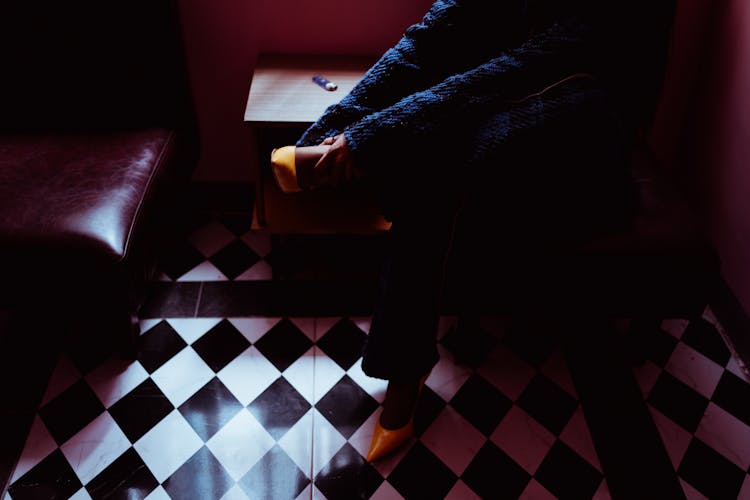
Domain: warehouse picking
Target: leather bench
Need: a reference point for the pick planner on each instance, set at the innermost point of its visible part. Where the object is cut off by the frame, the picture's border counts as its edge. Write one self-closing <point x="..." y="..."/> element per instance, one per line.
<point x="97" y="144"/>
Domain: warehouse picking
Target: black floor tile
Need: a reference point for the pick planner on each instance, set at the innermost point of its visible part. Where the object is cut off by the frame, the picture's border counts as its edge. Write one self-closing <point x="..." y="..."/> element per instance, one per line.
<point x="210" y="408"/>
<point x="182" y="258"/>
<point x="709" y="472"/>
<point x="347" y="475"/>
<point x="127" y="477"/>
<point x="678" y="401"/>
<point x="283" y="344"/>
<point x="703" y="336"/>
<point x="171" y="300"/>
<point x="733" y="394"/>
<point x="346" y="406"/>
<point x="428" y="408"/>
<point x="547" y="403"/>
<point x="71" y="411"/>
<point x="279" y="407"/>
<point x="140" y="410"/>
<point x="201" y="476"/>
<point x="343" y="343"/>
<point x="237" y="222"/>
<point x="234" y="259"/>
<point x="493" y="474"/>
<point x="51" y="478"/>
<point x="274" y="476"/>
<point x="481" y="404"/>
<point x="532" y="341"/>
<point x="158" y="345"/>
<point x="421" y="474"/>
<point x="220" y="345"/>
<point x="566" y="475"/>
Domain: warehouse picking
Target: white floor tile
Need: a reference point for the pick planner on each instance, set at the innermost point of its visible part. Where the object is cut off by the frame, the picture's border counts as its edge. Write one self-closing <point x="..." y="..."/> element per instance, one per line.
<point x="694" y="369"/>
<point x="168" y="445"/>
<point x="301" y="375"/>
<point x="182" y="376"/>
<point x="676" y="439"/>
<point x="453" y="440"/>
<point x="248" y="375"/>
<point x="387" y="492"/>
<point x="726" y="434"/>
<point x="577" y="436"/>
<point x="524" y="439"/>
<point x="95" y="447"/>
<point x="327" y="441"/>
<point x="261" y="270"/>
<point x="205" y="271"/>
<point x="191" y="329"/>
<point x="240" y="444"/>
<point x="254" y="328"/>
<point x="535" y="491"/>
<point x="506" y="371"/>
<point x="298" y="442"/>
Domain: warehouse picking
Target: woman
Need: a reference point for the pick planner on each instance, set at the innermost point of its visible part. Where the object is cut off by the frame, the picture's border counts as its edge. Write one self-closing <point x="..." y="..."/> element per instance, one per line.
<point x="520" y="113"/>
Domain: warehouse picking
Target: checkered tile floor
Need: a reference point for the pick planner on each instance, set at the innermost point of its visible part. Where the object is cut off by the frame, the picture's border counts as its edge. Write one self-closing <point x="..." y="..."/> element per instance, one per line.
<point x="228" y="405"/>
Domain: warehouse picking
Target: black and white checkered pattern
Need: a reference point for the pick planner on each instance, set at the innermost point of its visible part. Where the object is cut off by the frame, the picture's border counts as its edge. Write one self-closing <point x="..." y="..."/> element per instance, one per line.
<point x="236" y="406"/>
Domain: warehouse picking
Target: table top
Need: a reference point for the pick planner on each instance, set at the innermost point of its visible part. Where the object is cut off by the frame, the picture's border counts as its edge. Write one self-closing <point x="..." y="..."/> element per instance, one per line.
<point x="282" y="91"/>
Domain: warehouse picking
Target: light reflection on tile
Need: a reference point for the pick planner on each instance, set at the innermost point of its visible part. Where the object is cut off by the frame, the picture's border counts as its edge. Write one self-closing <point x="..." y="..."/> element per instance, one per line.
<point x="327" y="441"/>
<point x="298" y="442"/>
<point x="300" y="375"/>
<point x="240" y="444"/>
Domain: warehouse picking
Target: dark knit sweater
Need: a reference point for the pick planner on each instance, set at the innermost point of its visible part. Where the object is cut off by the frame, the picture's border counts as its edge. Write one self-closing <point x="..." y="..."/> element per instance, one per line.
<point x="458" y="87"/>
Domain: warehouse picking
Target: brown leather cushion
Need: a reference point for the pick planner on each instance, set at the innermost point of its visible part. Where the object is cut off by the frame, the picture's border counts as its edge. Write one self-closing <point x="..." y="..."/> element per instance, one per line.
<point x="66" y="191"/>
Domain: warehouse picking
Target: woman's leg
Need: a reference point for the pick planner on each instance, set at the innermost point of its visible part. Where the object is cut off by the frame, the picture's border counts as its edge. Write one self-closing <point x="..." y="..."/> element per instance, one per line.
<point x="401" y="345"/>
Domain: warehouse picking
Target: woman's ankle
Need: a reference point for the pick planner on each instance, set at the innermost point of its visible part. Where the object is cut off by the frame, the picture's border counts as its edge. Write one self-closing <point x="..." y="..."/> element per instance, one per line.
<point x="400" y="401"/>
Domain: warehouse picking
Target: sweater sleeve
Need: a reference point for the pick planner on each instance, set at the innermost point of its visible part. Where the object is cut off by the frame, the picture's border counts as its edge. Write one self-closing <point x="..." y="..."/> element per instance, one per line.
<point x="464" y="98"/>
<point x="452" y="36"/>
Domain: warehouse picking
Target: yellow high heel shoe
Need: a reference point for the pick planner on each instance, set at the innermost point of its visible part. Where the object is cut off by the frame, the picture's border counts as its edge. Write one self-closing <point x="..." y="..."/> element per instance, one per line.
<point x="292" y="166"/>
<point x="386" y="441"/>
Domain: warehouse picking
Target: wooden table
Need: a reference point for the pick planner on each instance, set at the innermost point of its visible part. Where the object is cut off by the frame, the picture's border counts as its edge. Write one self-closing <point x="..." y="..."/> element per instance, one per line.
<point x="282" y="102"/>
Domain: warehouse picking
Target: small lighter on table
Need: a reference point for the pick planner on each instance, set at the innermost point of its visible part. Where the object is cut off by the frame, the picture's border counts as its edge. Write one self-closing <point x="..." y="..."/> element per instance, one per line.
<point x="324" y="82"/>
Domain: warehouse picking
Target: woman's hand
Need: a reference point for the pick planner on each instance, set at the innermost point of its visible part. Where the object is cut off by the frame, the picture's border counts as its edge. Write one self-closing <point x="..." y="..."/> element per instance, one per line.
<point x="336" y="166"/>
